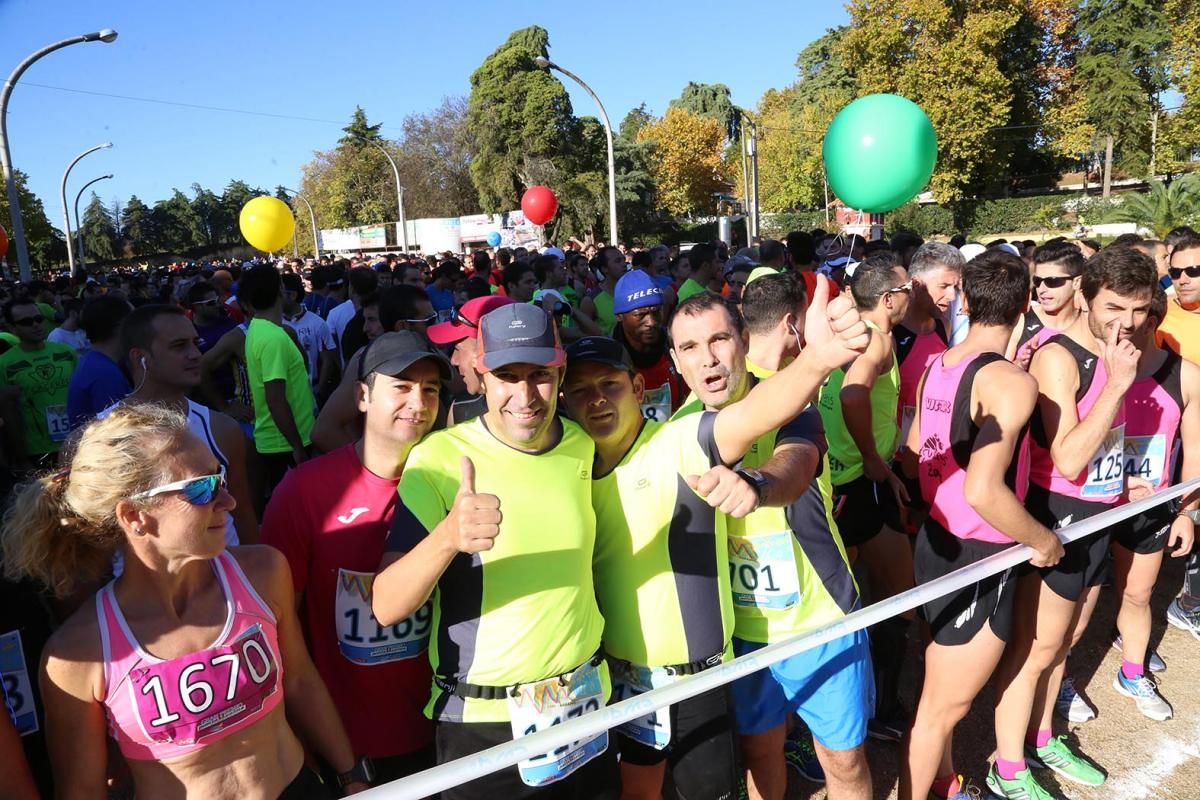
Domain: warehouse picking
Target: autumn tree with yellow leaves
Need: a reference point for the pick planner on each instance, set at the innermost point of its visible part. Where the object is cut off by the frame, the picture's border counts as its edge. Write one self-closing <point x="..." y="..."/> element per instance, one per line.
<point x="686" y="161"/>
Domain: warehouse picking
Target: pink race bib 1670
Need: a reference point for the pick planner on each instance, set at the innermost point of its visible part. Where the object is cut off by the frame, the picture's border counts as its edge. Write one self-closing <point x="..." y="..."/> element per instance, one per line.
<point x="186" y="699"/>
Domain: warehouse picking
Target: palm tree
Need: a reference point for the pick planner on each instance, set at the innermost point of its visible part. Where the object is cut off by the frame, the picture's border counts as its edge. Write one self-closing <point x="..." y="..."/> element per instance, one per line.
<point x="1164" y="207"/>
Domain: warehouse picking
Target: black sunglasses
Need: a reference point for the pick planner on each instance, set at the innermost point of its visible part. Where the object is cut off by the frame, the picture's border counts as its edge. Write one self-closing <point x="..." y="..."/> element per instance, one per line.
<point x="1178" y="272"/>
<point x="24" y="321"/>
<point x="1052" y="282"/>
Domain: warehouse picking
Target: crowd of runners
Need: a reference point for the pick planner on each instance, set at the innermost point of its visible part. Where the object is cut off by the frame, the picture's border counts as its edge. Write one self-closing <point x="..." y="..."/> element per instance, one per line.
<point x="293" y="529"/>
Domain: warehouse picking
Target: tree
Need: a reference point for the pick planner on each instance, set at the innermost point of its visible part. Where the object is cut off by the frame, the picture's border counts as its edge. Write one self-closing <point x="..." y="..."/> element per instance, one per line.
<point x="178" y="224"/>
<point x="359" y="130"/>
<point x="137" y="228"/>
<point x="44" y="242"/>
<point x="687" y="160"/>
<point x="212" y="219"/>
<point x="1164" y="207"/>
<point x="947" y="58"/>
<point x="520" y="118"/>
<point x="711" y="101"/>
<point x="435" y="162"/>
<point x="235" y="195"/>
<point x="824" y="69"/>
<point x="1123" y="72"/>
<point x="99" y="231"/>
<point x="1179" y="134"/>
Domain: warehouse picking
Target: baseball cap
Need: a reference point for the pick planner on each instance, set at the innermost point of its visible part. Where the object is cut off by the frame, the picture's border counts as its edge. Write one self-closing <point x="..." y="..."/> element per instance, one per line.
<point x="635" y="289"/>
<point x="396" y="351"/>
<point x="601" y="350"/>
<point x="739" y="263"/>
<point x="759" y="272"/>
<point x="464" y="321"/>
<point x="518" y="333"/>
<point x="971" y="249"/>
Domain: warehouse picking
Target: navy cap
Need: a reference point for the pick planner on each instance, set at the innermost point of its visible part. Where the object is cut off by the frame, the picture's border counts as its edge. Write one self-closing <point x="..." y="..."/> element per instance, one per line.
<point x="634" y="290"/>
<point x="518" y="333"/>
<point x="396" y="351"/>
<point x="599" y="349"/>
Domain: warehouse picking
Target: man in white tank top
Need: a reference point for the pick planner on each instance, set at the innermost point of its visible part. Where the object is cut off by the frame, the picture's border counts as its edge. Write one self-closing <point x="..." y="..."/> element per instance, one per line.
<point x="159" y="345"/>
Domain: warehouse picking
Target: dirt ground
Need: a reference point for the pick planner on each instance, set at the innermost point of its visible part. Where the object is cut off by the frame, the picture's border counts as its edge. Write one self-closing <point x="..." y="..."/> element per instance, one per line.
<point x="1144" y="759"/>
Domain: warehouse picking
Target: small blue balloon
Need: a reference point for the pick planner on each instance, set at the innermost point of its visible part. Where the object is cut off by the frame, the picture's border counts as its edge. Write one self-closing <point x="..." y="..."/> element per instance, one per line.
<point x="493" y="239"/>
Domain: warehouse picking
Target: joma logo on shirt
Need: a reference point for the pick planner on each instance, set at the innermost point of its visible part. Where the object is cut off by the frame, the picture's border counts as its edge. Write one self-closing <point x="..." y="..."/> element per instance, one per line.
<point x="354" y="514"/>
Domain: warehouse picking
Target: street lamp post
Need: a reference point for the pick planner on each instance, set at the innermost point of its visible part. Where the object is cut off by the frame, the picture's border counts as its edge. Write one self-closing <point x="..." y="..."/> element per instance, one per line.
<point x="78" y="227"/>
<point x="547" y="64"/>
<point x="312" y="220"/>
<point x="63" y="195"/>
<point x="399" y="190"/>
<point x="14" y="205"/>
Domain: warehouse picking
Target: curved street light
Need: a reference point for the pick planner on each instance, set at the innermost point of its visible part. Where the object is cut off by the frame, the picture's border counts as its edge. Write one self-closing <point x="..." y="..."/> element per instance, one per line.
<point x="547" y="64"/>
<point x="399" y="189"/>
<point x="312" y="220"/>
<point x="78" y="227"/>
<point x="63" y="194"/>
<point x="14" y="206"/>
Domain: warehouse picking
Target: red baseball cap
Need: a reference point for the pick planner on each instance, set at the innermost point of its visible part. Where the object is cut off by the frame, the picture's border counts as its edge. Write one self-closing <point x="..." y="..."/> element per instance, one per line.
<point x="464" y="323"/>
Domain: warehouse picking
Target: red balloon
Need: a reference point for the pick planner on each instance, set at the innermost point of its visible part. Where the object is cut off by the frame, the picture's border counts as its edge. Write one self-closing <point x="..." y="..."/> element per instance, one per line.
<point x="3" y="242"/>
<point x="539" y="204"/>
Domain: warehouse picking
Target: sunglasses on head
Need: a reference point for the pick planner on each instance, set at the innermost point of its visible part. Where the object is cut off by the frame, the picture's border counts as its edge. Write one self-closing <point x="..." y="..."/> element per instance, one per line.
<point x="1052" y="282"/>
<point x="196" y="491"/>
<point x="1178" y="272"/>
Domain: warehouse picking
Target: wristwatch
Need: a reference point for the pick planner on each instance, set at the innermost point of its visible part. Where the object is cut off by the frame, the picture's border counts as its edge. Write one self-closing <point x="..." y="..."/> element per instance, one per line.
<point x="363" y="771"/>
<point x="755" y="479"/>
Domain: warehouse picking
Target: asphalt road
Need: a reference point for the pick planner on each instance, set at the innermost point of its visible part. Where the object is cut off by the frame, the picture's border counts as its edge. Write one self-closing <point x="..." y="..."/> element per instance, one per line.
<point x="1144" y="759"/>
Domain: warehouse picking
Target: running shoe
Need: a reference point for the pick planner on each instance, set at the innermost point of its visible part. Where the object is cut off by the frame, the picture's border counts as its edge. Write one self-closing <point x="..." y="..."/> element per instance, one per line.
<point x="1154" y="662"/>
<point x="1023" y="787"/>
<point x="1070" y="705"/>
<point x="1058" y="756"/>
<point x="800" y="756"/>
<point x="1184" y="620"/>
<point x="966" y="791"/>
<point x="1145" y="695"/>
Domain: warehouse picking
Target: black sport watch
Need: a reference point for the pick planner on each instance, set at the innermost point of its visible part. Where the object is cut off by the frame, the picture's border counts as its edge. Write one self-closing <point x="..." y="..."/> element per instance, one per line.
<point x="755" y="479"/>
<point x="363" y="771"/>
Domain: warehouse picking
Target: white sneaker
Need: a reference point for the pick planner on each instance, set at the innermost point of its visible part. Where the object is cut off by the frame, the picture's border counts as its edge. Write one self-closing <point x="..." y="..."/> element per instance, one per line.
<point x="1070" y="705"/>
<point x="1145" y="695"/>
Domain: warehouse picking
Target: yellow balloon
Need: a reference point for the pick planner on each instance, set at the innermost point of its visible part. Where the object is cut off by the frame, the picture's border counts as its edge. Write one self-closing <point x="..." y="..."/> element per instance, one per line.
<point x="267" y="223"/>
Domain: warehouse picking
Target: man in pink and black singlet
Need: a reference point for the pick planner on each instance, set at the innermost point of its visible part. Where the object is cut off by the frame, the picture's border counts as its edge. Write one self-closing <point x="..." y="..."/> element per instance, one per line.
<point x="1057" y="267"/>
<point x="968" y="433"/>
<point x="331" y="517"/>
<point x="1077" y="446"/>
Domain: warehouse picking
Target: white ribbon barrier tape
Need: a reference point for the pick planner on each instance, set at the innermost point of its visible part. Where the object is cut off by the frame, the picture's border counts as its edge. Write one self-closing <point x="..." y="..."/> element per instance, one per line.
<point x="485" y="762"/>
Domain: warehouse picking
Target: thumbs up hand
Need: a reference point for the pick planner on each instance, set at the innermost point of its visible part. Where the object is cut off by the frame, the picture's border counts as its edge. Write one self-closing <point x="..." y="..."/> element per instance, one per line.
<point x="475" y="518"/>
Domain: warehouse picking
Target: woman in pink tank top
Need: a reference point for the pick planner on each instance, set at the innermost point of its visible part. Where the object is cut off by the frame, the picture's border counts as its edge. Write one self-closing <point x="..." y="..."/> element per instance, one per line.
<point x="189" y="658"/>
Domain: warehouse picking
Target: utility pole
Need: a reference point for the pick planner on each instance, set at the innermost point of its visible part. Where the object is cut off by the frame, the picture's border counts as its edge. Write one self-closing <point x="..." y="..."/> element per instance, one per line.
<point x="1153" y="141"/>
<point x="1108" y="148"/>
<point x="754" y="176"/>
<point x="746" y="183"/>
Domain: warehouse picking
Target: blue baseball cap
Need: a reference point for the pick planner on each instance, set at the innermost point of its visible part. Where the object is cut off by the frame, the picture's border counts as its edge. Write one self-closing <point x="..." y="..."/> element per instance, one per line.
<point x="634" y="290"/>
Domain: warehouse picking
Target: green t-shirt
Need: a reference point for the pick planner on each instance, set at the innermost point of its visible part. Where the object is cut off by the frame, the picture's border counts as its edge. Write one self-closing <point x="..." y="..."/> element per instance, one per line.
<point x="272" y="355"/>
<point x="661" y="551"/>
<point x="689" y="288"/>
<point x="605" y="318"/>
<point x="845" y="459"/>
<point x="526" y="609"/>
<point x="43" y="377"/>
<point x="788" y="568"/>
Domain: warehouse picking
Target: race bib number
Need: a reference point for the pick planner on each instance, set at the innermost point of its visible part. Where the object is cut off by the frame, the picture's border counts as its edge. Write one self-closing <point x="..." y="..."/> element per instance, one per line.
<point x="654" y="729"/>
<point x="1146" y="457"/>
<point x="656" y="403"/>
<point x="18" y="689"/>
<point x="361" y="638"/>
<point x="58" y="424"/>
<point x="187" y="699"/>
<point x="538" y="706"/>
<point x="907" y="415"/>
<point x="1106" y="470"/>
<point x="762" y="571"/>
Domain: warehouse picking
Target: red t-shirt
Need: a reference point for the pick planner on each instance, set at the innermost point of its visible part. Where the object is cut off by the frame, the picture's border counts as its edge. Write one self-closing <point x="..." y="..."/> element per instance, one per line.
<point x="330" y="516"/>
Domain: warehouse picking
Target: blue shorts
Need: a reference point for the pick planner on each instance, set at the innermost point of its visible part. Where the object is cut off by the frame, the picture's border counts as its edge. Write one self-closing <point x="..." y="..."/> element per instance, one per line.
<point x="831" y="687"/>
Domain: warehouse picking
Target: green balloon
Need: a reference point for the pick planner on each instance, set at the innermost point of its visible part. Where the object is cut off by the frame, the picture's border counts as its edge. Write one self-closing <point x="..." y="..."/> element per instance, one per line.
<point x="879" y="152"/>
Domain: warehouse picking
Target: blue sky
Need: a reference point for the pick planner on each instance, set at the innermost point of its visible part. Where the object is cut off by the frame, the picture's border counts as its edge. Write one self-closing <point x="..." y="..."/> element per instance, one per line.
<point x="319" y="59"/>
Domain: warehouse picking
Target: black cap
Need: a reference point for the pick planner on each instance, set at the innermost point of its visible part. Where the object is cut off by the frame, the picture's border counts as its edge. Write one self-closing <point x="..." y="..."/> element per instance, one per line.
<point x="601" y="350"/>
<point x="518" y="333"/>
<point x="394" y="352"/>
